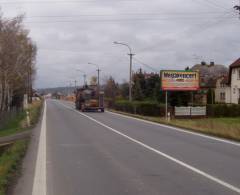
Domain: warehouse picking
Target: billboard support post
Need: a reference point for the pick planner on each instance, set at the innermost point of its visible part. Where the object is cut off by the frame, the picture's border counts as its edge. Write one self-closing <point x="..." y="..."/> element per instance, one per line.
<point x="192" y="98"/>
<point x="166" y="105"/>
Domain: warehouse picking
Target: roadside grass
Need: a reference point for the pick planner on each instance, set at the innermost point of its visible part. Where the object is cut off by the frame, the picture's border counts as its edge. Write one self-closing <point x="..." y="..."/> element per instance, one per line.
<point x="220" y="127"/>
<point x="19" y="123"/>
<point x="35" y="111"/>
<point x="13" y="125"/>
<point x="10" y="160"/>
<point x="11" y="156"/>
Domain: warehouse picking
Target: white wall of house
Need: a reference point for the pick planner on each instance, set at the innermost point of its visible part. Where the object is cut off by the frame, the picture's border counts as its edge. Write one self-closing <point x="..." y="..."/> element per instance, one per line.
<point x="222" y="92"/>
<point x="235" y="86"/>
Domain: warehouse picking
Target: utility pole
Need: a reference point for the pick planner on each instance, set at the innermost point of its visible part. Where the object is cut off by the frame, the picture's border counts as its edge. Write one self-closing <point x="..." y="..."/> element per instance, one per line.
<point x="130" y="74"/>
<point x="130" y="77"/>
<point x="75" y="84"/>
<point x="84" y="80"/>
<point x="237" y="8"/>
<point x="70" y="86"/>
<point x="98" y="81"/>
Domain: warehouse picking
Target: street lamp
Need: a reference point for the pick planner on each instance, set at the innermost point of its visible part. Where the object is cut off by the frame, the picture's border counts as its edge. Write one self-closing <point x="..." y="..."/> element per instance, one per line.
<point x="84" y="76"/>
<point x="130" y="74"/>
<point x="98" y="71"/>
<point x="98" y="80"/>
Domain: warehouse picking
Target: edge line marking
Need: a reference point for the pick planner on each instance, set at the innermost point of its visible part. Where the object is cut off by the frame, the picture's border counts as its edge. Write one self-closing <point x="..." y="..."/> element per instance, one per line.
<point x="178" y="129"/>
<point x="187" y="166"/>
<point x="40" y="179"/>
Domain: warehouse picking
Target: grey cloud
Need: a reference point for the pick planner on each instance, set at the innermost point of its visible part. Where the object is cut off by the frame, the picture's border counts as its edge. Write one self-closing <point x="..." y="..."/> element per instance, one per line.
<point x="169" y="39"/>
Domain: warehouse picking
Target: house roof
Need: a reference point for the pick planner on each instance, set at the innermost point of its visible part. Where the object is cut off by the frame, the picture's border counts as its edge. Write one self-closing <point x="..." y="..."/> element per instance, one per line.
<point x="210" y="73"/>
<point x="225" y="80"/>
<point x="235" y="64"/>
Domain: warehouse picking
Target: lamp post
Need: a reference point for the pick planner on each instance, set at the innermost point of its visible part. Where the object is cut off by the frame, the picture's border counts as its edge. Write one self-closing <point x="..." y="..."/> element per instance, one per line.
<point x="98" y="74"/>
<point x="130" y="74"/>
<point x="98" y="81"/>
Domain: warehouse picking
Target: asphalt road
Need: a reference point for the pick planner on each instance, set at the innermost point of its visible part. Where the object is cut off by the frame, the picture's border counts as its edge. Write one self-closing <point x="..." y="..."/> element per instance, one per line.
<point x="109" y="154"/>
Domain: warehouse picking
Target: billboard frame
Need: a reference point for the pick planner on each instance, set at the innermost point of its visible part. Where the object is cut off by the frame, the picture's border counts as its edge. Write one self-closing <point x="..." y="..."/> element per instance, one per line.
<point x="186" y="90"/>
<point x="180" y="89"/>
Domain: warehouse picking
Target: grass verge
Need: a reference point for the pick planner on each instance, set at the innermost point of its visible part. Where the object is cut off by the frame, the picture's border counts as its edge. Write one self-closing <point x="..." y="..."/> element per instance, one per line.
<point x="11" y="156"/>
<point x="10" y="162"/>
<point x="19" y="123"/>
<point x="220" y="127"/>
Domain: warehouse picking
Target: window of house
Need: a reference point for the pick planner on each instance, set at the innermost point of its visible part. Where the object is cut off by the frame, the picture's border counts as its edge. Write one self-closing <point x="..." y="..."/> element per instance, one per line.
<point x="234" y="90"/>
<point x="222" y="96"/>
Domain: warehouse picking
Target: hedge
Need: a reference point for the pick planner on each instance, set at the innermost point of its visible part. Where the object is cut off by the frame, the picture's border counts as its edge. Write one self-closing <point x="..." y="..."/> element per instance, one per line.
<point x="149" y="108"/>
<point x="223" y="110"/>
<point x="141" y="108"/>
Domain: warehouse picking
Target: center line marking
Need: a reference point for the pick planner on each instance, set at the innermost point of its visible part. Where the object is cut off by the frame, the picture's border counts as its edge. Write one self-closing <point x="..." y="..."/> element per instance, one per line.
<point x="194" y="169"/>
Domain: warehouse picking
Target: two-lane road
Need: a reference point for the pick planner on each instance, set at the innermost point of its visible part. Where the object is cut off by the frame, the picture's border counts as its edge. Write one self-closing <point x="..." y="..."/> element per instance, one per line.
<point x="109" y="154"/>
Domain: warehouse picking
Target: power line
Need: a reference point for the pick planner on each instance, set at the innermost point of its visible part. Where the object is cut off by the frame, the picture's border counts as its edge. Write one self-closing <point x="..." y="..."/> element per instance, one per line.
<point x="215" y="4"/>
<point x="124" y="20"/>
<point x="146" y="65"/>
<point x="126" y="14"/>
<point x="205" y="27"/>
<point x="62" y="1"/>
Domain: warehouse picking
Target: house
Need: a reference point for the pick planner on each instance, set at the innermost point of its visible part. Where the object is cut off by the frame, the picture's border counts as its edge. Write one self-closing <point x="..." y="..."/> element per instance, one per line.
<point x="222" y="90"/>
<point x="209" y="73"/>
<point x="234" y="81"/>
<point x="228" y="87"/>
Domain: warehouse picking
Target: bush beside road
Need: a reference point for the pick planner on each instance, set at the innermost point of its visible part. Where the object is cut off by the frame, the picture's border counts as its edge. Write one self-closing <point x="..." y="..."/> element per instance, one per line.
<point x="149" y="108"/>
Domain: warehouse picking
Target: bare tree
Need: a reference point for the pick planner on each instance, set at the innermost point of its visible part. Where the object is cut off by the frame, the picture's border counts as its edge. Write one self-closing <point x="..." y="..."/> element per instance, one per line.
<point x="17" y="62"/>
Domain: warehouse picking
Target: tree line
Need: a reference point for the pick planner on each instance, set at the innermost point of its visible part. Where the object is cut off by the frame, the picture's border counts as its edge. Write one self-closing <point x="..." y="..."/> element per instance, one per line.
<point x="17" y="63"/>
<point x="145" y="87"/>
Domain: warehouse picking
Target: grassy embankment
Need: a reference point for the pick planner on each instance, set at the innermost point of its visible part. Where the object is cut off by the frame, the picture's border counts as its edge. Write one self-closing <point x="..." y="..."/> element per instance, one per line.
<point x="11" y="156"/>
<point x="220" y="127"/>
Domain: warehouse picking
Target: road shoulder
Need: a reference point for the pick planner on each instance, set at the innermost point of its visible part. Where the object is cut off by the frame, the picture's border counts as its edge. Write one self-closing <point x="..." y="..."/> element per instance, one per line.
<point x="24" y="183"/>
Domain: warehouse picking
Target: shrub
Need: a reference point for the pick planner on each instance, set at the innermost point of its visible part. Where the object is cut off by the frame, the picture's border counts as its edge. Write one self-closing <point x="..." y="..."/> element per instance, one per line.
<point x="223" y="110"/>
<point x="147" y="108"/>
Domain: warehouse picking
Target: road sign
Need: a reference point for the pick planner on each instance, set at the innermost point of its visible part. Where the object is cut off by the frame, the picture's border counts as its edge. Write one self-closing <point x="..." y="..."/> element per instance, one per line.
<point x="179" y="80"/>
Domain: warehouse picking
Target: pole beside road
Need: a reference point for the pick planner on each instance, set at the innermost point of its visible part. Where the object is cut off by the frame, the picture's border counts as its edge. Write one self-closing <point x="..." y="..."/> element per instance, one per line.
<point x="98" y="81"/>
<point x="130" y="73"/>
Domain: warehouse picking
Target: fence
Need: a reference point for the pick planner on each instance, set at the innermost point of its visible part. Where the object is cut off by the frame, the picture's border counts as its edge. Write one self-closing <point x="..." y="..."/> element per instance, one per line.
<point x="190" y="111"/>
<point x="6" y="116"/>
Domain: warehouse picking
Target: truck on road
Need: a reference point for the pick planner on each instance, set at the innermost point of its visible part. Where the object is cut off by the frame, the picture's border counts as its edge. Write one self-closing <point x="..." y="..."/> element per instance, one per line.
<point x="89" y="98"/>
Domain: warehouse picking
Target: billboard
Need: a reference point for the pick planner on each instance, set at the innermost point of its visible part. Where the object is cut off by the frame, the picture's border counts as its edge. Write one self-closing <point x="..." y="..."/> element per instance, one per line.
<point x="179" y="80"/>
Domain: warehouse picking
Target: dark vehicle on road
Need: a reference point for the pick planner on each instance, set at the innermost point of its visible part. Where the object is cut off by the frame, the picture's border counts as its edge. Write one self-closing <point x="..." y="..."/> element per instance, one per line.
<point x="89" y="98"/>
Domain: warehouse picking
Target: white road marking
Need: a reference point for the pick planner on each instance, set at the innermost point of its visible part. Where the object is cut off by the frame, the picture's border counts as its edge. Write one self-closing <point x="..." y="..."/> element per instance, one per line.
<point x="40" y="183"/>
<point x="194" y="169"/>
<point x="178" y="129"/>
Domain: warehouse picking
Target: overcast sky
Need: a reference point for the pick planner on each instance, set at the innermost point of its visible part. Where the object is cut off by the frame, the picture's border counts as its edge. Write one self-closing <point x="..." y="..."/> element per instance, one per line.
<point x="163" y="34"/>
